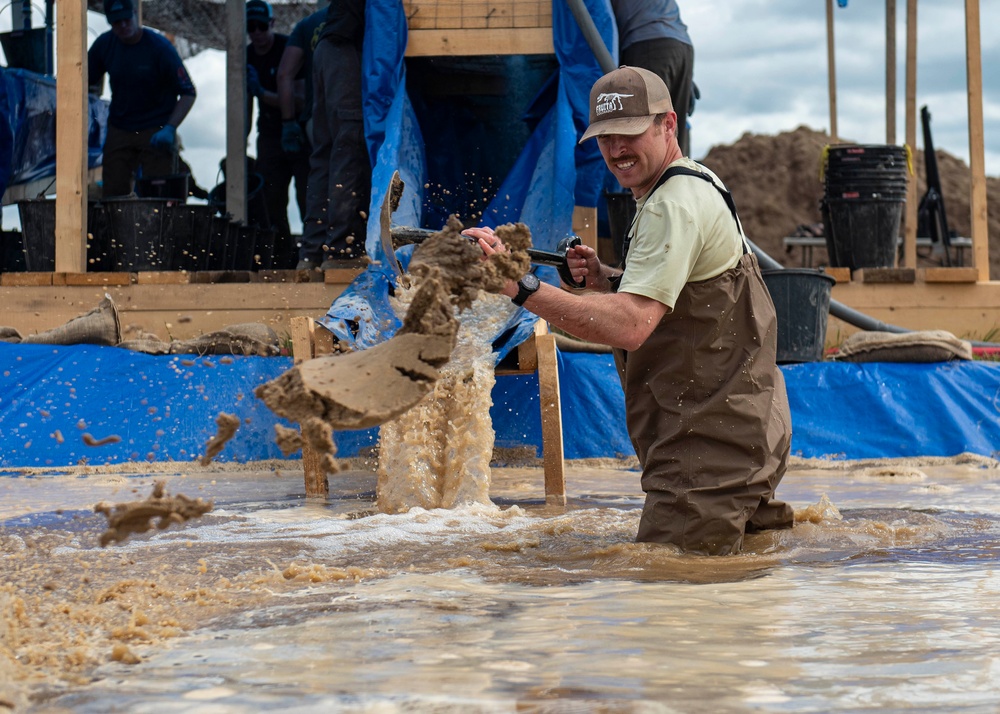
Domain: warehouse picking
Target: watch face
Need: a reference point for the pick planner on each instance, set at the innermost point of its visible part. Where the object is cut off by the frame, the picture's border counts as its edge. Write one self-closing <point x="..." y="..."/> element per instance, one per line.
<point x="531" y="281"/>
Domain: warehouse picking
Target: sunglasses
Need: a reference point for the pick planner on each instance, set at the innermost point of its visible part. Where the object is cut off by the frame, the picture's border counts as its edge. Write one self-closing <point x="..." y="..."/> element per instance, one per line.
<point x="257" y="27"/>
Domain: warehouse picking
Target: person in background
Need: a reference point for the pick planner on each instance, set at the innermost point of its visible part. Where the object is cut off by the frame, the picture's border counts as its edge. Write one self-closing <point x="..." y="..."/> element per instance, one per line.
<point x="333" y="234"/>
<point x="692" y="327"/>
<point x="296" y="62"/>
<point x="277" y="167"/>
<point x="651" y="35"/>
<point x="151" y="93"/>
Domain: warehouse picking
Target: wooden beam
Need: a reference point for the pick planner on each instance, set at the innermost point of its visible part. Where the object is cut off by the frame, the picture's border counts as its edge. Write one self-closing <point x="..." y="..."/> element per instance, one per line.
<point x="890" y="71"/>
<point x="236" y="102"/>
<point x="977" y="160"/>
<point x="910" y="210"/>
<point x="522" y="41"/>
<point x="831" y="71"/>
<point x="72" y="119"/>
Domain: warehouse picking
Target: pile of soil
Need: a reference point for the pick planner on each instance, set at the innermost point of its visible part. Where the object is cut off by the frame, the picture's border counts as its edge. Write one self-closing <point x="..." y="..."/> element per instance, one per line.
<point x="777" y="186"/>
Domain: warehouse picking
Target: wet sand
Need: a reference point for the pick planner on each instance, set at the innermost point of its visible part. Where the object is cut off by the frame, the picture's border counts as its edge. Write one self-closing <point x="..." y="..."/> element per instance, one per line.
<point x="882" y="595"/>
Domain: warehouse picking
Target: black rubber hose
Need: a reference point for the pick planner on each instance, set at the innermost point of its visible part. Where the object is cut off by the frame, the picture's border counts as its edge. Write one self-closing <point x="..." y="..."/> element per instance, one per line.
<point x="837" y="309"/>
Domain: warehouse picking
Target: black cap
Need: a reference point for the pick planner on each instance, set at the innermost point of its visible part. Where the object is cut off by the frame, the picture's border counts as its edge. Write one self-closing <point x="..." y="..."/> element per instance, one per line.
<point x="118" y="10"/>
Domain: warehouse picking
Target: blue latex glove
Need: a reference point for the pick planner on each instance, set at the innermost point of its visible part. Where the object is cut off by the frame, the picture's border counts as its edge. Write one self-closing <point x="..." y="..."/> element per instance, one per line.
<point x="253" y="81"/>
<point x="292" y="138"/>
<point x="164" y="138"/>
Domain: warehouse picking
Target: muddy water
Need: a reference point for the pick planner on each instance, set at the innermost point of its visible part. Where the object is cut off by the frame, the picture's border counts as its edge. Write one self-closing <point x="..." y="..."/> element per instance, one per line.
<point x="885" y="595"/>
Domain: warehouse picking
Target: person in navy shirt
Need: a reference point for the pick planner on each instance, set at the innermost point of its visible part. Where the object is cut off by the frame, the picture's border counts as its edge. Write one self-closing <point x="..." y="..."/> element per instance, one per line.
<point x="151" y="93"/>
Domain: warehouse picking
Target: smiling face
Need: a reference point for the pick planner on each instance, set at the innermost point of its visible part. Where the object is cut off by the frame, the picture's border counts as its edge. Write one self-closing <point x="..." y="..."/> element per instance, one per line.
<point x="638" y="161"/>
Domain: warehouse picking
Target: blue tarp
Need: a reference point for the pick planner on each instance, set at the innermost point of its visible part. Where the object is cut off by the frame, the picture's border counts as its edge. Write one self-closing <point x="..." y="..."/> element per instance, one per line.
<point x="28" y="127"/>
<point x="164" y="407"/>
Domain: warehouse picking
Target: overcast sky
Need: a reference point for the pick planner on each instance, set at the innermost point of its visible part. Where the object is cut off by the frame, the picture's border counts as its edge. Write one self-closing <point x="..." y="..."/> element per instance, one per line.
<point x="761" y="66"/>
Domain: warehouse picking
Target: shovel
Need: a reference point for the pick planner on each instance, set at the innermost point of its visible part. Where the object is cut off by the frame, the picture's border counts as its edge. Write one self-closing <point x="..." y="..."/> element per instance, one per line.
<point x="557" y="258"/>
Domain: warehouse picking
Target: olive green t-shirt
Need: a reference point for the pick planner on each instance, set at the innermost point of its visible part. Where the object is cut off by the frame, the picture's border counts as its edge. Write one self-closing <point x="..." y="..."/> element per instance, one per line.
<point x="684" y="232"/>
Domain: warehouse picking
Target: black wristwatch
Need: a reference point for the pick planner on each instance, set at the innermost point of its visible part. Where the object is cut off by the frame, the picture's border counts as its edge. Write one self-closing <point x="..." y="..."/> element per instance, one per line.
<point x="526" y="287"/>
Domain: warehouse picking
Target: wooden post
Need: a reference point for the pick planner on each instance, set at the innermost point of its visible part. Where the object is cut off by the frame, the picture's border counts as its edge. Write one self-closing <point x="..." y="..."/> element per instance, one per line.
<point x="831" y="71"/>
<point x="303" y="345"/>
<point x="72" y="119"/>
<point x="910" y="215"/>
<point x="977" y="161"/>
<point x="553" y="462"/>
<point x="236" y="102"/>
<point x="890" y="72"/>
<point x="585" y="225"/>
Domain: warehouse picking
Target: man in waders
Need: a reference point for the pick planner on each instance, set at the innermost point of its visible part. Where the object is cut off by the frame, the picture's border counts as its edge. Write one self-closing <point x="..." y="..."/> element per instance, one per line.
<point x="692" y="326"/>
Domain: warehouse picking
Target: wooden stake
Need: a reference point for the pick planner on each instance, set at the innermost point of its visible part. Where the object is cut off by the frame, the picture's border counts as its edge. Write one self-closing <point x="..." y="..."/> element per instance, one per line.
<point x="910" y="212"/>
<point x="977" y="160"/>
<point x="72" y="119"/>
<point x="831" y="71"/>
<point x="303" y="341"/>
<point x="553" y="462"/>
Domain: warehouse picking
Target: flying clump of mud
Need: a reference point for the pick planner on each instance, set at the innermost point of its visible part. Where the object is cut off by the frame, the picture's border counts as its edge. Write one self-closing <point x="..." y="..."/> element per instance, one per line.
<point x="359" y="390"/>
<point x="125" y="519"/>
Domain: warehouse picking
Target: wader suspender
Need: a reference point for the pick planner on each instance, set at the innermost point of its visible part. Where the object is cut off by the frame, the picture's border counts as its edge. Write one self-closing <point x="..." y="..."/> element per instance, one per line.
<point x="684" y="171"/>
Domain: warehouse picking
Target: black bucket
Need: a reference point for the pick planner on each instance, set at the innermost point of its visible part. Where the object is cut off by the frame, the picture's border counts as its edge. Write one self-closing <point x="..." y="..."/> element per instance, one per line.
<point x="862" y="233"/>
<point x="174" y="186"/>
<point x="12" y="252"/>
<point x="218" y="242"/>
<point x="256" y="201"/>
<point x="264" y="249"/>
<point x="38" y="223"/>
<point x="621" y="211"/>
<point x="242" y="247"/>
<point x="801" y="299"/>
<point x="136" y="227"/>
<point x="25" y="49"/>
<point x="187" y="227"/>
<point x="865" y="190"/>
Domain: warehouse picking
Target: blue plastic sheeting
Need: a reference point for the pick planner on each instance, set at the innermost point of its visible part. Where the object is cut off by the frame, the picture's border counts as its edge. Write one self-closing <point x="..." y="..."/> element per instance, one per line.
<point x="858" y="411"/>
<point x="164" y="407"/>
<point x="28" y="127"/>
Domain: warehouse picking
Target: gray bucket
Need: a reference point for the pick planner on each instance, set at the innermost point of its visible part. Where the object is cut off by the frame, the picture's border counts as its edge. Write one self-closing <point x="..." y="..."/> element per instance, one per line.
<point x="801" y="299"/>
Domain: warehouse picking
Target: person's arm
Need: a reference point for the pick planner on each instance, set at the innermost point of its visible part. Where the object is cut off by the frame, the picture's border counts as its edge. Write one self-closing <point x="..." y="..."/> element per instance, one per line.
<point x="621" y="320"/>
<point x="95" y="72"/>
<point x="291" y="63"/>
<point x="181" y="109"/>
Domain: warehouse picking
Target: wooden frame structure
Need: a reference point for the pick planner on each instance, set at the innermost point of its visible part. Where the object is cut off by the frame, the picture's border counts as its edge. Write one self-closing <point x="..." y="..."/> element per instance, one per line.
<point x="977" y="161"/>
<point x="536" y="354"/>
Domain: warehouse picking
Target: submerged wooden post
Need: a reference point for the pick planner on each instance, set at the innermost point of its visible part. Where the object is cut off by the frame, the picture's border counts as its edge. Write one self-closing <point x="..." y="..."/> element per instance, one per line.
<point x="303" y="348"/>
<point x="553" y="462"/>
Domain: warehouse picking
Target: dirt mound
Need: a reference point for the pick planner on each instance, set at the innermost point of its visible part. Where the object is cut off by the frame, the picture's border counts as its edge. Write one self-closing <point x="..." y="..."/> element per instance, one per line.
<point x="777" y="186"/>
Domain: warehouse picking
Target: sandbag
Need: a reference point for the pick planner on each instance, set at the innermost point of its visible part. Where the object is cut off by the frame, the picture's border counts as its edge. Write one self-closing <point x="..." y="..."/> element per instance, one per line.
<point x="919" y="346"/>
<point x="244" y="339"/>
<point x="100" y="326"/>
